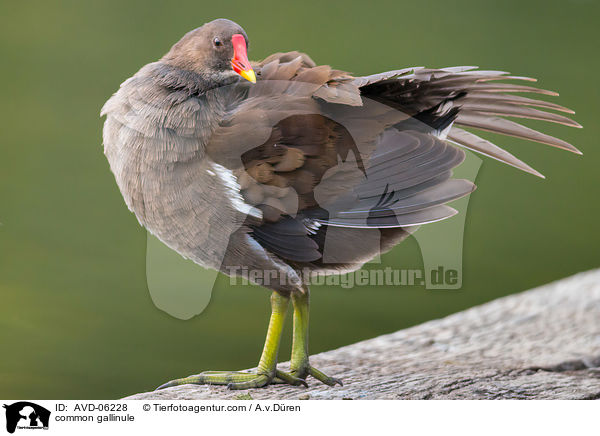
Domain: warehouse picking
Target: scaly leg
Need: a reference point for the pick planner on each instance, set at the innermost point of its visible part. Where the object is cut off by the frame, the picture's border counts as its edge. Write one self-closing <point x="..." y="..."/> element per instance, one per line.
<point x="299" y="364"/>
<point x="265" y="373"/>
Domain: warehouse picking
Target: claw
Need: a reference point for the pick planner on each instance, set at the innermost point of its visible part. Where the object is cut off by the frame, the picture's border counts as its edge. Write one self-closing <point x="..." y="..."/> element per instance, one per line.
<point x="166" y="385"/>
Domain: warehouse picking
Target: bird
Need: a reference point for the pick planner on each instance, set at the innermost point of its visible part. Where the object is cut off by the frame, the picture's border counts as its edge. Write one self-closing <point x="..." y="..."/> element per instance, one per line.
<point x="291" y="170"/>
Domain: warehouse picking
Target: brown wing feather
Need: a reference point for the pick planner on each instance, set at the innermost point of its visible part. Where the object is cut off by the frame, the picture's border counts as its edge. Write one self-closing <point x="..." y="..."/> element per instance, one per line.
<point x="478" y="101"/>
<point x="294" y="132"/>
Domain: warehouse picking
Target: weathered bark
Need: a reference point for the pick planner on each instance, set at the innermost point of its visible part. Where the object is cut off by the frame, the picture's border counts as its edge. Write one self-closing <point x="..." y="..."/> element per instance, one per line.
<point x="540" y="344"/>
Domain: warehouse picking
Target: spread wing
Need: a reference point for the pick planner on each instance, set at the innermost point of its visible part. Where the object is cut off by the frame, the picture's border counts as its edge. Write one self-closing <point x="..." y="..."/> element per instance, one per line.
<point x="314" y="148"/>
<point x="470" y="98"/>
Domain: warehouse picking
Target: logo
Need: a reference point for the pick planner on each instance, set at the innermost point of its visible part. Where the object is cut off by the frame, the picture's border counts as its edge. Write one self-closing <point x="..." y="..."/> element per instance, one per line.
<point x="26" y="415"/>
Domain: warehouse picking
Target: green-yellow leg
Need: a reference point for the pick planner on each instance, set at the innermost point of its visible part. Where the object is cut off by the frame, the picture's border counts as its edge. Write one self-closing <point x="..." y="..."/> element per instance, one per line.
<point x="299" y="364"/>
<point x="265" y="373"/>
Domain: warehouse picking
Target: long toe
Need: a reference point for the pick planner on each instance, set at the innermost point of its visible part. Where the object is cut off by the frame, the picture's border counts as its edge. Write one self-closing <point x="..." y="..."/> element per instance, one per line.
<point x="236" y="379"/>
<point x="307" y="370"/>
<point x="330" y="381"/>
<point x="211" y="378"/>
<point x="286" y="377"/>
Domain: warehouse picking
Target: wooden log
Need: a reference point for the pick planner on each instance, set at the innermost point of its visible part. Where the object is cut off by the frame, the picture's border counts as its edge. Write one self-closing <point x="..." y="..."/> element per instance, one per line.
<point x="539" y="344"/>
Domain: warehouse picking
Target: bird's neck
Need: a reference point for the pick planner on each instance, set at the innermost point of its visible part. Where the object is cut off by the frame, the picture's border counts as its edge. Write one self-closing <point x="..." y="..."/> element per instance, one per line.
<point x="194" y="82"/>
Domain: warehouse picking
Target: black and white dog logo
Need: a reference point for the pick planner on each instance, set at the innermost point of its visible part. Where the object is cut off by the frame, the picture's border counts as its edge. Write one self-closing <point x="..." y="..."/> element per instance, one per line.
<point x="26" y="415"/>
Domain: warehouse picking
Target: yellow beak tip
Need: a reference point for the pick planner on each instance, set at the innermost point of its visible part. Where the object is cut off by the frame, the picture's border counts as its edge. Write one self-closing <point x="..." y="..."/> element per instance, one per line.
<point x="249" y="76"/>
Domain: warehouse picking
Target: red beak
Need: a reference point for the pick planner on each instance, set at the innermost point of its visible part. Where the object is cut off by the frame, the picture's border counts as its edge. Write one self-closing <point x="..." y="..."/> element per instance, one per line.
<point x="240" y="62"/>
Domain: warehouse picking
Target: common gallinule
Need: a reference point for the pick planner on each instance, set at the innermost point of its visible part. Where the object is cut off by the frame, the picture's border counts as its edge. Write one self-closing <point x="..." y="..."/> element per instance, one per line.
<point x="283" y="169"/>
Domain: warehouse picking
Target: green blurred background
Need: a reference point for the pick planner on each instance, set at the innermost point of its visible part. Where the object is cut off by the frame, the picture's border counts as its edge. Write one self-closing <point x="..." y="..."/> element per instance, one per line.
<point x="76" y="318"/>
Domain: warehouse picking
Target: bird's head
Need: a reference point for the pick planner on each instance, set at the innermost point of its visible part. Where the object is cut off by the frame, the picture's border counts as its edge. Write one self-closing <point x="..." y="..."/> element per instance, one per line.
<point x="218" y="48"/>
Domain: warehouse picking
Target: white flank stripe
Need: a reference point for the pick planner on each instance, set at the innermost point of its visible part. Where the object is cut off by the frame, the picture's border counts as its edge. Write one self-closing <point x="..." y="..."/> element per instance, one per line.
<point x="230" y="181"/>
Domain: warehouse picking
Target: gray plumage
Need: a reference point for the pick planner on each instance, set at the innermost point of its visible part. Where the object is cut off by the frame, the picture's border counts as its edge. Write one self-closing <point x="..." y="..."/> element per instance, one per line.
<point x="229" y="173"/>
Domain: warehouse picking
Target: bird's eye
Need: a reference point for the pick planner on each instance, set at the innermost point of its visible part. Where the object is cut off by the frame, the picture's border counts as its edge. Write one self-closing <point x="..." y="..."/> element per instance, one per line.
<point x="217" y="42"/>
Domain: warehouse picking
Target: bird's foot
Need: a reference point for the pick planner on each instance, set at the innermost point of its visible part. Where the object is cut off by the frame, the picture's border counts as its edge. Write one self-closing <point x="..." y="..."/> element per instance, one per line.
<point x="237" y="379"/>
<point x="305" y="370"/>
